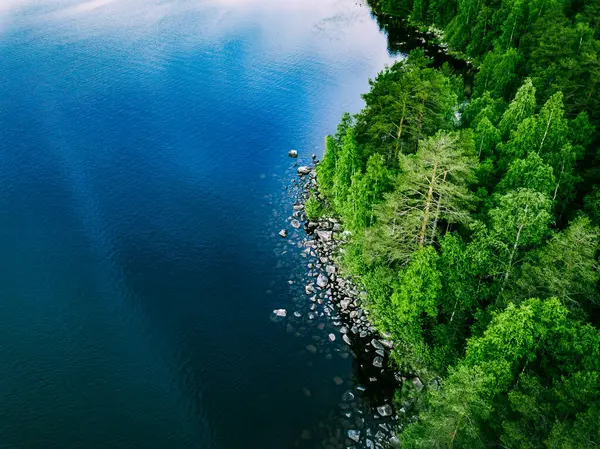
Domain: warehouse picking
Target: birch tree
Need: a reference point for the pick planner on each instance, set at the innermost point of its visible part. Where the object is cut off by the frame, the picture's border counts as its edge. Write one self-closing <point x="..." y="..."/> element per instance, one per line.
<point x="432" y="188"/>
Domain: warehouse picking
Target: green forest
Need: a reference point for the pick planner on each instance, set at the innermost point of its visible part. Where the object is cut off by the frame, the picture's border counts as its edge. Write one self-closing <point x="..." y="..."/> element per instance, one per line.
<point x="474" y="213"/>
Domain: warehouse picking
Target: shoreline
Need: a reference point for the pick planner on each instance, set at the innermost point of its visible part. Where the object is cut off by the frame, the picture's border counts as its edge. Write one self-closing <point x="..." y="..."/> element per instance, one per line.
<point x="343" y="304"/>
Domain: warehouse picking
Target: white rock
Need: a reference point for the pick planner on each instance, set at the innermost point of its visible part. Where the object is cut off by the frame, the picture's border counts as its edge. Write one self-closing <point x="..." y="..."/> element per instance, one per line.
<point x="280" y="312"/>
<point x="376" y="344"/>
<point x="385" y="410"/>
<point x="322" y="281"/>
<point x="387" y="343"/>
<point x="325" y="236"/>
<point x="354" y="435"/>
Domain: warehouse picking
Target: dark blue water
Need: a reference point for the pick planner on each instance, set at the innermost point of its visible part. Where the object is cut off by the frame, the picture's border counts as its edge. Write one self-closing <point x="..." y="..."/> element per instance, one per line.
<point x="143" y="177"/>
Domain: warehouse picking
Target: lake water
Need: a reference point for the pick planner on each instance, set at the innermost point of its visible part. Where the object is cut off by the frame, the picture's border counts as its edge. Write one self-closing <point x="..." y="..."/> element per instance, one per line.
<point x="143" y="179"/>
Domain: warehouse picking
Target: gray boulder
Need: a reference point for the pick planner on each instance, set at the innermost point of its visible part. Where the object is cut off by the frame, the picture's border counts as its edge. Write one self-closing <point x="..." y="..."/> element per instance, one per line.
<point x="325" y="236"/>
<point x="385" y="410"/>
<point x="293" y="153"/>
<point x="322" y="281"/>
<point x="354" y="435"/>
<point x="418" y="384"/>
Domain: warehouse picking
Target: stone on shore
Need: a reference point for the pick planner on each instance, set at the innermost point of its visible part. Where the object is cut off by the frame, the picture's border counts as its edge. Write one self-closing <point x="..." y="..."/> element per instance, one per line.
<point x="387" y="343"/>
<point x="385" y="410"/>
<point x="418" y="384"/>
<point x="395" y="442"/>
<point x="378" y="362"/>
<point x="325" y="236"/>
<point x="322" y="281"/>
<point x="304" y="170"/>
<point x="376" y="344"/>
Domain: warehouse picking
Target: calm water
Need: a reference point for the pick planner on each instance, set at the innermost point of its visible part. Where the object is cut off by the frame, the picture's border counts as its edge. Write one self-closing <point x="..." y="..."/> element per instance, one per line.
<point x="143" y="177"/>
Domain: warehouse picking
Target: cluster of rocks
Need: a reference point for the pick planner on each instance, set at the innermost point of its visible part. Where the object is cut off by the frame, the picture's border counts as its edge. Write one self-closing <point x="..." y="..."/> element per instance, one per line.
<point x="335" y="297"/>
<point x="335" y="307"/>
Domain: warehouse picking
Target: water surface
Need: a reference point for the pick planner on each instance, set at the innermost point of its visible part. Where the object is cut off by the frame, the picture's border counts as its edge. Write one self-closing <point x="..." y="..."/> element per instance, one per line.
<point x="143" y="177"/>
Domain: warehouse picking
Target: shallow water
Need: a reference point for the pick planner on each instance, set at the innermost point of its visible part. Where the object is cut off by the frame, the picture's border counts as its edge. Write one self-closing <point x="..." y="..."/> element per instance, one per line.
<point x="144" y="178"/>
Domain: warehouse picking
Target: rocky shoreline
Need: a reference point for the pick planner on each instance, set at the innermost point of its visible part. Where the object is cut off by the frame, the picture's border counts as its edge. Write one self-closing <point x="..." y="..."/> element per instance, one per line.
<point x="331" y="295"/>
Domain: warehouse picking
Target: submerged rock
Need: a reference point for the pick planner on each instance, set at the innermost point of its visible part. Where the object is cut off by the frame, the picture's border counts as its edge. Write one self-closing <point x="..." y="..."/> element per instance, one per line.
<point x="348" y="396"/>
<point x="331" y="337"/>
<point x="347" y="339"/>
<point x="354" y="435"/>
<point x="378" y="362"/>
<point x="280" y="312"/>
<point x="282" y="233"/>
<point x="295" y="224"/>
<point x="312" y="349"/>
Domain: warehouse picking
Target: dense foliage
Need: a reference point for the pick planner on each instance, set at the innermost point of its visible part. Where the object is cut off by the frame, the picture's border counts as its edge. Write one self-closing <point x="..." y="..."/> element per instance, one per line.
<point x="474" y="224"/>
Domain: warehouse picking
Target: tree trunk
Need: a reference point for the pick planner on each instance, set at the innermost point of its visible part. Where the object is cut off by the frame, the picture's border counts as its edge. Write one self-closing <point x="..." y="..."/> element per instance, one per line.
<point x="481" y="146"/>
<point x="437" y="212"/>
<point x="400" y="129"/>
<point x="427" y="207"/>
<point x="545" y="133"/>
<point x="558" y="181"/>
<point x="512" y="255"/>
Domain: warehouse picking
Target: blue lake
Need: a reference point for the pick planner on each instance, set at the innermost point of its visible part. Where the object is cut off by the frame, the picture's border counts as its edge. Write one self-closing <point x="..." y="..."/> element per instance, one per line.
<point x="143" y="179"/>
